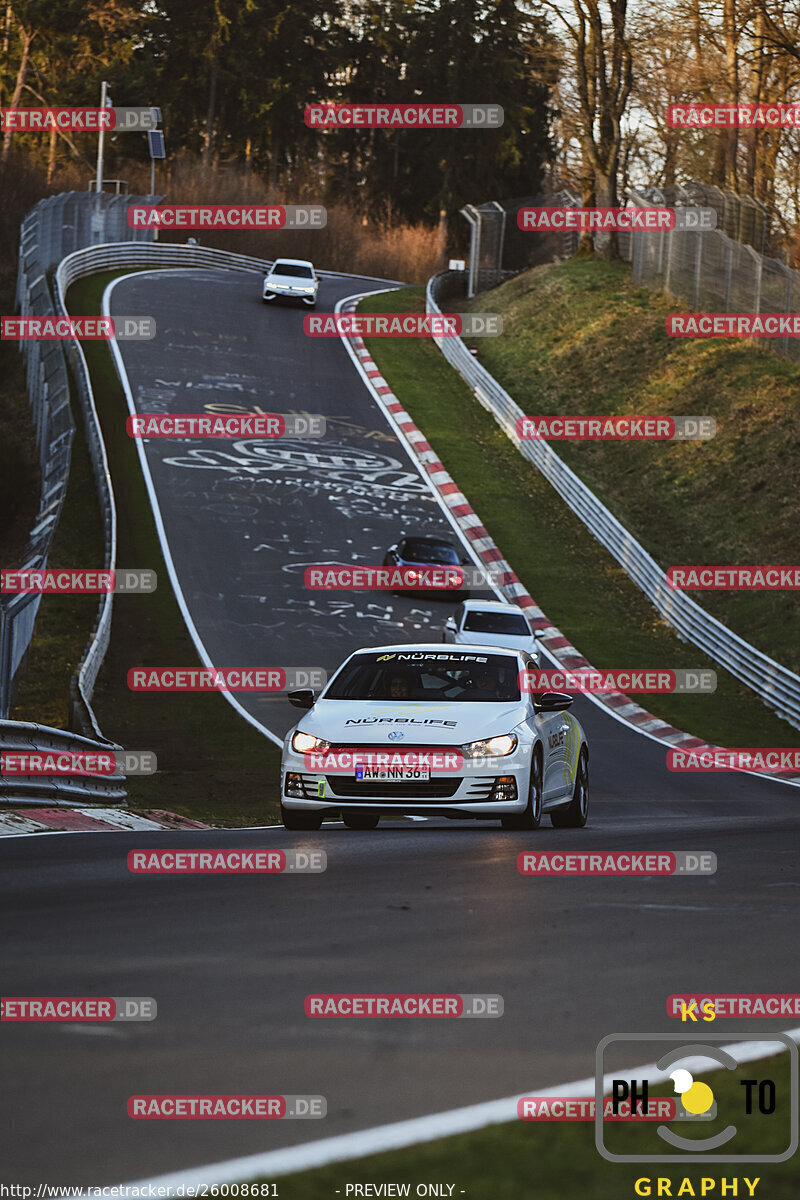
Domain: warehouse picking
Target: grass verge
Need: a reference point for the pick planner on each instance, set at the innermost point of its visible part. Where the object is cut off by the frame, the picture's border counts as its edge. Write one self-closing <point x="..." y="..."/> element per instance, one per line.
<point x="20" y="475"/>
<point x="580" y="338"/>
<point x="558" y="1160"/>
<point x="577" y="583"/>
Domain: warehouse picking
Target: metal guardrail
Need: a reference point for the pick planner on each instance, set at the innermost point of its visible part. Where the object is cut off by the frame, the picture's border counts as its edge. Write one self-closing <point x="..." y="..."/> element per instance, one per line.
<point x="777" y="686"/>
<point x="27" y="736"/>
<point x="53" y="228"/>
<point x="114" y="255"/>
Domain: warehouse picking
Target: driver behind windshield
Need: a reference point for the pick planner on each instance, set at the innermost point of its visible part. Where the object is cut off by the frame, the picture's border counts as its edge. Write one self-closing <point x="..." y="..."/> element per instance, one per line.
<point x="398" y="688"/>
<point x="484" y="686"/>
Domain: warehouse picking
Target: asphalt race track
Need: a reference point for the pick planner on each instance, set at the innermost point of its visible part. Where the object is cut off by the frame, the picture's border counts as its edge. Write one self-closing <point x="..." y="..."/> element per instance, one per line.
<point x="429" y="906"/>
<point x="244" y="518"/>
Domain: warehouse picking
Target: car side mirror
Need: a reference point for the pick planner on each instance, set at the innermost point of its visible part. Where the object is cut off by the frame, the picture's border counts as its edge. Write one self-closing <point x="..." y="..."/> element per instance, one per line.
<point x="553" y="702"/>
<point x="466" y="562"/>
<point x="303" y="698"/>
<point x="538" y="633"/>
<point x="450" y="623"/>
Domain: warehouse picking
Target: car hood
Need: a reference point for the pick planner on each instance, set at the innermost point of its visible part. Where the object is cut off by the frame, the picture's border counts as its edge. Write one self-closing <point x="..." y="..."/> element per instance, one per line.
<point x="364" y="722"/>
<point x="504" y="640"/>
<point x="290" y="281"/>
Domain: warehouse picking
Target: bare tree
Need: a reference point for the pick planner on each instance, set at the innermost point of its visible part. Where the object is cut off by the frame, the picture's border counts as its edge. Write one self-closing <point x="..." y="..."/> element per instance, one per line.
<point x="603" y="64"/>
<point x="27" y="38"/>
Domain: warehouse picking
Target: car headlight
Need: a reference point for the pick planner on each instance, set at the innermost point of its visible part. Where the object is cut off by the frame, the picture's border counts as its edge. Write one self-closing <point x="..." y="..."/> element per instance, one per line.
<point x="494" y="747"/>
<point x="305" y="742"/>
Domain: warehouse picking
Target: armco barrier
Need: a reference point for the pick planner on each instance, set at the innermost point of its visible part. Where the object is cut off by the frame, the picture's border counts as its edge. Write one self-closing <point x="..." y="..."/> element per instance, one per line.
<point x="26" y="736"/>
<point x="51" y="229"/>
<point x="777" y="686"/>
<point x="115" y="255"/>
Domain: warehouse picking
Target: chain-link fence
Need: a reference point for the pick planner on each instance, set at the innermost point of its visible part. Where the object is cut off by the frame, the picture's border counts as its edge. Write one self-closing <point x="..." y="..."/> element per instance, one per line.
<point x="713" y="272"/>
<point x="51" y="230"/>
<point x="717" y="270"/>
<point x="499" y="248"/>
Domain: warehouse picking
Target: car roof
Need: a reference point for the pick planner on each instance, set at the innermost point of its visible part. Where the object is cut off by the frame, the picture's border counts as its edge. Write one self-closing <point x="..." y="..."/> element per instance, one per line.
<point x="294" y="262"/>
<point x="431" y="538"/>
<point x="493" y="606"/>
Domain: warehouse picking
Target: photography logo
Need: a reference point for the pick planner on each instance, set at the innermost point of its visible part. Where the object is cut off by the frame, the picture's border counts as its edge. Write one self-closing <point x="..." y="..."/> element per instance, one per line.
<point x="725" y="1124"/>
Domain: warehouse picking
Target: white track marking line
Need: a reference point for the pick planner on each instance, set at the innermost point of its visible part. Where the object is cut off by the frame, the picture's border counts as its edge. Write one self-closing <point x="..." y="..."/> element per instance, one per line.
<point x="402" y="1134"/>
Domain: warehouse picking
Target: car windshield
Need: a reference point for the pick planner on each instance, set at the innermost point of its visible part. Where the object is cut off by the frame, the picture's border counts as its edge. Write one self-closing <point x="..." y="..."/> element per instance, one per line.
<point x="293" y="269"/>
<point x="510" y="624"/>
<point x="427" y="675"/>
<point x="416" y="550"/>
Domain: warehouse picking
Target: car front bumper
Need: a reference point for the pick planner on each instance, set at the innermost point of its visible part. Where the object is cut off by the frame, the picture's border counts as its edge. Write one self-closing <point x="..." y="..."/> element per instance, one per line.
<point x="281" y="293"/>
<point x="496" y="788"/>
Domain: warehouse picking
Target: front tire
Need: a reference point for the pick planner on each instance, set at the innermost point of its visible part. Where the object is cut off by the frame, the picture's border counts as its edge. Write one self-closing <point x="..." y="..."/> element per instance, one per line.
<point x="575" y="814"/>
<point x="531" y="818"/>
<point x="354" y="819"/>
<point x="298" y="818"/>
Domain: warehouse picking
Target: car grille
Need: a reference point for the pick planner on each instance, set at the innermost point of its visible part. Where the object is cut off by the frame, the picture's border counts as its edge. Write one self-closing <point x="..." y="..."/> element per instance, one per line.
<point x="423" y="789"/>
<point x="347" y="787"/>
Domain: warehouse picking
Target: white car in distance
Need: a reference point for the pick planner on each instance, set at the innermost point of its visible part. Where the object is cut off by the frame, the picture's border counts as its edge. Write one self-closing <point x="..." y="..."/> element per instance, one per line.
<point x="291" y="279"/>
<point x="491" y="623"/>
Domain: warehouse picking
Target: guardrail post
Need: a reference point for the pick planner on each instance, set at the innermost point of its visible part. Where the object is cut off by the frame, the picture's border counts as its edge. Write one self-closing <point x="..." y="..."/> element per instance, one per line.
<point x="728" y="277"/>
<point x="698" y="264"/>
<point x="5" y="662"/>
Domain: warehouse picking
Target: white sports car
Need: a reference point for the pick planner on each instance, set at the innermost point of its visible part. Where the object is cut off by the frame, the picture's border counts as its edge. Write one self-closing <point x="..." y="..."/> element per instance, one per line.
<point x="291" y="279"/>
<point x="436" y="730"/>
<point x="491" y="623"/>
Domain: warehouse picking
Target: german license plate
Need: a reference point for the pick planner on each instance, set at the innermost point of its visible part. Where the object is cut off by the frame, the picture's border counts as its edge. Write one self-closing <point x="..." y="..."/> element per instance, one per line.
<point x="396" y="774"/>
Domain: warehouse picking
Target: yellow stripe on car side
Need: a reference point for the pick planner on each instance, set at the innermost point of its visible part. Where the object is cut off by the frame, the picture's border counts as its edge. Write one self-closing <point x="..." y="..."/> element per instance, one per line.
<point x="573" y="748"/>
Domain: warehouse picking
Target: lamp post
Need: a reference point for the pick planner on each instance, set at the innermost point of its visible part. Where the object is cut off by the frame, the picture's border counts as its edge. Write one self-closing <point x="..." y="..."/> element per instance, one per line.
<point x="105" y="102"/>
